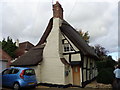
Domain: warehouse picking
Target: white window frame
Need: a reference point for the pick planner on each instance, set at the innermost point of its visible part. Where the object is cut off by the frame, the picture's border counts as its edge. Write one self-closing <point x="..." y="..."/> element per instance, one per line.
<point x="67" y="47"/>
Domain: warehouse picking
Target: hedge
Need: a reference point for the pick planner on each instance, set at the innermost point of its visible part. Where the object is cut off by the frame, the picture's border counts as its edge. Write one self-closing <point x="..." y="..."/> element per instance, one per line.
<point x="105" y="76"/>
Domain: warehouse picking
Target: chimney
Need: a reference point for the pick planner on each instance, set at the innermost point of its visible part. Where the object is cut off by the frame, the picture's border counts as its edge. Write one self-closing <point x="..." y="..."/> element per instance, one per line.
<point x="17" y="43"/>
<point x="57" y="10"/>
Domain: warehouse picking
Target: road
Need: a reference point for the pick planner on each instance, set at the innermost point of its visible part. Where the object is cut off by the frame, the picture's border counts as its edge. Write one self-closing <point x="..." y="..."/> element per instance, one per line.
<point x="54" y="88"/>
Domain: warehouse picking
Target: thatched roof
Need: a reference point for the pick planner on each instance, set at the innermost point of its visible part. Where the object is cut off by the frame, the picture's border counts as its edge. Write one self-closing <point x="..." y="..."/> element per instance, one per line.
<point x="46" y="33"/>
<point x="76" y="39"/>
<point x="33" y="57"/>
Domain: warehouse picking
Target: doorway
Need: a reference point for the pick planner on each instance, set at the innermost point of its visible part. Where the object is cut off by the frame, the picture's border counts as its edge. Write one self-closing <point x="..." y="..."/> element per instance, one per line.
<point x="76" y="75"/>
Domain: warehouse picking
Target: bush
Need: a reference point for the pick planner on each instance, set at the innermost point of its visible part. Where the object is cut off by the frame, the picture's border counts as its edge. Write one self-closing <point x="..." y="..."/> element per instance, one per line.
<point x="105" y="76"/>
<point x="101" y="65"/>
<point x="105" y="64"/>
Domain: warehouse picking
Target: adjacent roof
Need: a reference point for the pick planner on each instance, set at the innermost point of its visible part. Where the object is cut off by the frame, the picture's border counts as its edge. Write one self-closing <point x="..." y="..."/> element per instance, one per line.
<point x="33" y="57"/>
<point x="4" y="55"/>
<point x="24" y="46"/>
<point x="76" y="39"/>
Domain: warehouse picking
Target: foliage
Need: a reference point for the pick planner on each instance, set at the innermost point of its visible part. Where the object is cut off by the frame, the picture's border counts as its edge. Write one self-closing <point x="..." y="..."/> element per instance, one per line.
<point x="9" y="46"/>
<point x="84" y="35"/>
<point x="100" y="51"/>
<point x="105" y="76"/>
<point x="107" y="63"/>
<point x="105" y="70"/>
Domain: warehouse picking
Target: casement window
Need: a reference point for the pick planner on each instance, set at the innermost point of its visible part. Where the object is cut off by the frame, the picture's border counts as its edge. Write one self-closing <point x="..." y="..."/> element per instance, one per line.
<point x="67" y="47"/>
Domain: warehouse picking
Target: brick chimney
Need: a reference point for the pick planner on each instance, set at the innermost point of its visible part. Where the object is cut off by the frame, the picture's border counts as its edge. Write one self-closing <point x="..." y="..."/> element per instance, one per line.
<point x="57" y="10"/>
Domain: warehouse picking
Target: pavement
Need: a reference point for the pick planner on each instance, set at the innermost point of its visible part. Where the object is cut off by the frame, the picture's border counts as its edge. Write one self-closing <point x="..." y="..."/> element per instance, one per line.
<point x="93" y="86"/>
<point x="96" y="85"/>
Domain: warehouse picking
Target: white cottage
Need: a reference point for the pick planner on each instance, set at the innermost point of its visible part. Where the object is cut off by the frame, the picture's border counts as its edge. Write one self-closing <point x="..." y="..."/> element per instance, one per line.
<point x="61" y="57"/>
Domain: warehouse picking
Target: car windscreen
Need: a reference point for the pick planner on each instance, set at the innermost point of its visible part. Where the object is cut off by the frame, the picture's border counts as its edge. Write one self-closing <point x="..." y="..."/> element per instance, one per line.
<point x="29" y="72"/>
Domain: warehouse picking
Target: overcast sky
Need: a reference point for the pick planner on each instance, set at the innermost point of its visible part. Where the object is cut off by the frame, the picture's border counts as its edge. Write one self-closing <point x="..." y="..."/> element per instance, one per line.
<point x="26" y="20"/>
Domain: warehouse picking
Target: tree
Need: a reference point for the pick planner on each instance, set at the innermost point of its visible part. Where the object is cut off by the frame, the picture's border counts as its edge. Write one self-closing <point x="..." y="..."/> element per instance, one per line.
<point x="9" y="46"/>
<point x="105" y="70"/>
<point x="84" y="35"/>
<point x="101" y="52"/>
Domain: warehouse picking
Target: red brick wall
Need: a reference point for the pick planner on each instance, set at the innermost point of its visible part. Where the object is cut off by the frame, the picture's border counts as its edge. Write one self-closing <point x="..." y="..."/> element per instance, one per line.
<point x="57" y="11"/>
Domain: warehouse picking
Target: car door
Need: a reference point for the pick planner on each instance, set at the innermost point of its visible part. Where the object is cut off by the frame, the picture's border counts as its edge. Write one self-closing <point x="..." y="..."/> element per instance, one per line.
<point x="13" y="76"/>
<point x="5" y="77"/>
<point x="8" y="77"/>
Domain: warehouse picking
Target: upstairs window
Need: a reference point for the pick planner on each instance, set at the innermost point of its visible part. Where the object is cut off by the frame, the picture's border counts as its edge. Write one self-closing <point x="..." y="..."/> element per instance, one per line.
<point x="67" y="47"/>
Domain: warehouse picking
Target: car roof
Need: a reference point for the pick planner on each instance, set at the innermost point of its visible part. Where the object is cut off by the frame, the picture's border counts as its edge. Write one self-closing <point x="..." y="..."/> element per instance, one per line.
<point x="19" y="68"/>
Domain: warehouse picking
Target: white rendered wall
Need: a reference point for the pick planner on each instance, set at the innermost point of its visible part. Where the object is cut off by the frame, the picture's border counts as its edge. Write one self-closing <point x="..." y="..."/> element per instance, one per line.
<point x="76" y="57"/>
<point x="69" y="78"/>
<point x="52" y="69"/>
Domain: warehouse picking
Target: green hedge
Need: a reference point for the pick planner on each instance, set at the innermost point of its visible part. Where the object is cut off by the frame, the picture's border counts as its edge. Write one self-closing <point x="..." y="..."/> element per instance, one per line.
<point x="105" y="76"/>
<point x="105" y="64"/>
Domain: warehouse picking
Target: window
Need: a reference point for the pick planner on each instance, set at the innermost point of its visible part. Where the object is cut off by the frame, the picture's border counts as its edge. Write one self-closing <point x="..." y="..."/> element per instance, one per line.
<point x="10" y="71"/>
<point x="5" y="72"/>
<point x="67" y="47"/>
<point x="76" y="69"/>
<point x="29" y="72"/>
<point x="14" y="71"/>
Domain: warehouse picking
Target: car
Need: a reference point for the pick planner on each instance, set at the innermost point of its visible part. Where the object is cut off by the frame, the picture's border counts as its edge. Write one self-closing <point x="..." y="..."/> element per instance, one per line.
<point x="19" y="77"/>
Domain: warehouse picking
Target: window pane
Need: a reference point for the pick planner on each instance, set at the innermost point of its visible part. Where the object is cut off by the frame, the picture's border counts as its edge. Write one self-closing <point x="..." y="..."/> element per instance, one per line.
<point x="15" y="71"/>
<point x="5" y="72"/>
<point x="29" y="72"/>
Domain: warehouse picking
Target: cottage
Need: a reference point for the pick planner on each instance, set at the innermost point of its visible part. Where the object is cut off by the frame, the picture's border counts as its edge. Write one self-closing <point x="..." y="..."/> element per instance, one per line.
<point x="61" y="57"/>
<point x="4" y="60"/>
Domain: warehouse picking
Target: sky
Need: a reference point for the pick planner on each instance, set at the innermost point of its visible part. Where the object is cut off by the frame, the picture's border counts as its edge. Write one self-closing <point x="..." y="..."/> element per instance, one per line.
<point x="27" y="20"/>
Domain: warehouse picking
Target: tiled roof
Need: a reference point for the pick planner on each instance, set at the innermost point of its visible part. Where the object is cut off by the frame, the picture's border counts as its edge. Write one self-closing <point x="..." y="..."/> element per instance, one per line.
<point x="24" y="46"/>
<point x="76" y="39"/>
<point x="4" y="55"/>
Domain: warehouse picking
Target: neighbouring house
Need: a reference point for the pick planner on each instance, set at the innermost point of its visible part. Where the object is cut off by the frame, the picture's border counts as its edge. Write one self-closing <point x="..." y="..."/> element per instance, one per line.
<point x="4" y="60"/>
<point x="23" y="48"/>
<point x="61" y="57"/>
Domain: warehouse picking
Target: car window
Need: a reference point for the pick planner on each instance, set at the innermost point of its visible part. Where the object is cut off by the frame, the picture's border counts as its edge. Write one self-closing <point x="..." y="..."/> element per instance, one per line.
<point x="29" y="72"/>
<point x="14" y="71"/>
<point x="6" y="71"/>
<point x="10" y="71"/>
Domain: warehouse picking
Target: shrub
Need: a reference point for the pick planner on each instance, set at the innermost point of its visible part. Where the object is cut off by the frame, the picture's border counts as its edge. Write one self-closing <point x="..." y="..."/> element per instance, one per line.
<point x="101" y="65"/>
<point x="105" y="76"/>
<point x="105" y="64"/>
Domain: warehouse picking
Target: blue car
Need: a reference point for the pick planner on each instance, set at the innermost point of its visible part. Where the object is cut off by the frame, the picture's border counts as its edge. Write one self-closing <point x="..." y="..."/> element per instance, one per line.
<point x="18" y="77"/>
